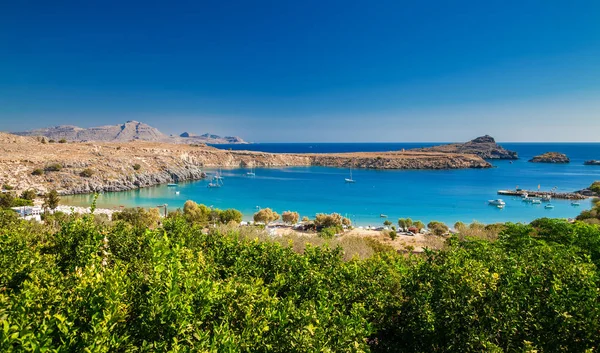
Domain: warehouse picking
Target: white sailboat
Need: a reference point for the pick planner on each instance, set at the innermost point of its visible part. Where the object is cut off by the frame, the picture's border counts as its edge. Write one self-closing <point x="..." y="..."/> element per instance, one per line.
<point x="215" y="183"/>
<point x="350" y="180"/>
<point x="219" y="175"/>
<point x="251" y="172"/>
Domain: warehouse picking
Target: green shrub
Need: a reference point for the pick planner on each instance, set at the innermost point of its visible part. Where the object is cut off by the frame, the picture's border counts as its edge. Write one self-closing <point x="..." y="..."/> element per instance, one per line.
<point x="329" y="232"/>
<point x="55" y="167"/>
<point x="437" y="228"/>
<point x="51" y="141"/>
<point x="28" y="194"/>
<point x="595" y="187"/>
<point x="86" y="173"/>
<point x="137" y="167"/>
<point x="7" y="187"/>
<point x="62" y="141"/>
<point x="37" y="171"/>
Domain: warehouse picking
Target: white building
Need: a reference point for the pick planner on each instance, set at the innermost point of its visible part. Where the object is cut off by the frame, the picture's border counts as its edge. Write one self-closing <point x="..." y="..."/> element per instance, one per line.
<point x="29" y="212"/>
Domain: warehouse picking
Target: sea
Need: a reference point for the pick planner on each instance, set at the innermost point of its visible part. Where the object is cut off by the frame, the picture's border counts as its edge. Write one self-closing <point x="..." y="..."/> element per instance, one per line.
<point x="442" y="195"/>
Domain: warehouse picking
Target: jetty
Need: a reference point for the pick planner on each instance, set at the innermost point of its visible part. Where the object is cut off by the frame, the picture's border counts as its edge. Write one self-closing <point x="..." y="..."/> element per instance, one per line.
<point x="541" y="194"/>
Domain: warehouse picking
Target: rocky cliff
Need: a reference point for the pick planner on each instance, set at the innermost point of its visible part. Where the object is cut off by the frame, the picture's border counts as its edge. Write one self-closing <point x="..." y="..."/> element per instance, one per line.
<point x="131" y="130"/>
<point x="26" y="162"/>
<point x="484" y="147"/>
<point x="551" y="157"/>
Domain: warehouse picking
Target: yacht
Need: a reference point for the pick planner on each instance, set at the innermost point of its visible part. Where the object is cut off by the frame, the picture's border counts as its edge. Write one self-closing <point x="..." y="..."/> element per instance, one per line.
<point x="215" y="183"/>
<point x="546" y="198"/>
<point x="575" y="203"/>
<point x="549" y="206"/>
<point x="497" y="202"/>
<point x="251" y="172"/>
<point x="350" y="180"/>
<point x="536" y="201"/>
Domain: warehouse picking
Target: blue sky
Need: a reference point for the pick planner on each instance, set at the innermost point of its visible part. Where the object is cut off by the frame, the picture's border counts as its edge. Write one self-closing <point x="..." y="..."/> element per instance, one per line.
<point x="274" y="71"/>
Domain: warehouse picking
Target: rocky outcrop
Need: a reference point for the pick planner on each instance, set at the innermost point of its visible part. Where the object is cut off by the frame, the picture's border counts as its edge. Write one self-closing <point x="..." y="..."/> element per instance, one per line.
<point x="592" y="162"/>
<point x="131" y="130"/>
<point x="591" y="191"/>
<point x="28" y="163"/>
<point x="484" y="147"/>
<point x="551" y="157"/>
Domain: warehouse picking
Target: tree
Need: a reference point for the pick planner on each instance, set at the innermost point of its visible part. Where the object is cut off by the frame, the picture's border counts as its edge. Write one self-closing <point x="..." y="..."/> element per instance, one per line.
<point x="28" y="194"/>
<point x="51" y="200"/>
<point x="323" y="220"/>
<point x="138" y="217"/>
<point x="459" y="226"/>
<point x="437" y="228"/>
<point x="290" y="217"/>
<point x="266" y="216"/>
<point x="402" y="223"/>
<point x="230" y="215"/>
<point x="387" y="223"/>
<point x="305" y="219"/>
<point x="419" y="225"/>
<point x="409" y="223"/>
<point x="195" y="213"/>
<point x="6" y="200"/>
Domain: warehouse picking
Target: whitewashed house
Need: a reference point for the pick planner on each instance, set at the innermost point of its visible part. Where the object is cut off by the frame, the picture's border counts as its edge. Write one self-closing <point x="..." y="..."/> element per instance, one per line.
<point x="29" y="212"/>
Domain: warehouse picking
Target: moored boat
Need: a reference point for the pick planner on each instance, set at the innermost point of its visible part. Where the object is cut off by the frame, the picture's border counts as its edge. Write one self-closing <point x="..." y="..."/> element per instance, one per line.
<point x="497" y="202"/>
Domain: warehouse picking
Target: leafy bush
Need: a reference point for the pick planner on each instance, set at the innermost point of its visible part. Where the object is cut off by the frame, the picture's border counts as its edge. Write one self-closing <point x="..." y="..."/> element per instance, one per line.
<point x="82" y="285"/>
<point x="51" y="141"/>
<point x="37" y="171"/>
<point x="62" y="141"/>
<point x="56" y="167"/>
<point x="595" y="187"/>
<point x="28" y="194"/>
<point x="86" y="173"/>
<point x="7" y="187"/>
<point x="138" y="217"/>
<point x="437" y="228"/>
<point x="266" y="216"/>
<point x="290" y="217"/>
<point x="329" y="232"/>
<point x="8" y="200"/>
<point x="137" y="167"/>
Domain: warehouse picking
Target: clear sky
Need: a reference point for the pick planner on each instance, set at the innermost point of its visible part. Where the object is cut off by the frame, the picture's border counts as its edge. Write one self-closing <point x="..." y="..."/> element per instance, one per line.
<point x="274" y="71"/>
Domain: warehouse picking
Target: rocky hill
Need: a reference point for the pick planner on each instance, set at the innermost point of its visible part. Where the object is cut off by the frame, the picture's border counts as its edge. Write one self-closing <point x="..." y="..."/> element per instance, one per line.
<point x="551" y="157"/>
<point x="131" y="130"/>
<point x="484" y="147"/>
<point x="83" y="167"/>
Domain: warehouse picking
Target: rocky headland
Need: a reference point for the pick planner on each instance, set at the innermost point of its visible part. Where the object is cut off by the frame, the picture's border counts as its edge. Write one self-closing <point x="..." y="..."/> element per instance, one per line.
<point x="131" y="130"/>
<point x="484" y="147"/>
<point x="592" y="162"/>
<point x="551" y="157"/>
<point x="84" y="167"/>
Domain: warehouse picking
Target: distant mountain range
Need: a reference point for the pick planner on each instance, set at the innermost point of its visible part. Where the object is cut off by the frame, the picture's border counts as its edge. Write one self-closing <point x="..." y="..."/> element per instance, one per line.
<point x="131" y="130"/>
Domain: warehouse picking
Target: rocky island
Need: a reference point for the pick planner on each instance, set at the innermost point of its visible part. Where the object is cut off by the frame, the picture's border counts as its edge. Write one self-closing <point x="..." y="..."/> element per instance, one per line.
<point x="551" y="157"/>
<point x="592" y="162"/>
<point x="84" y="167"/>
<point x="483" y="146"/>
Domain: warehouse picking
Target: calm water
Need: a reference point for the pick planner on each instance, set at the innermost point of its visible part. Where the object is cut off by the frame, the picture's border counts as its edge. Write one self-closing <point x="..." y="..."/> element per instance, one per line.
<point x="448" y="196"/>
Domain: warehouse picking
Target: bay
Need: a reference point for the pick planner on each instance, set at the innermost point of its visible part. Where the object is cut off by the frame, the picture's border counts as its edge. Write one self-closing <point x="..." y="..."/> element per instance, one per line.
<point x="443" y="195"/>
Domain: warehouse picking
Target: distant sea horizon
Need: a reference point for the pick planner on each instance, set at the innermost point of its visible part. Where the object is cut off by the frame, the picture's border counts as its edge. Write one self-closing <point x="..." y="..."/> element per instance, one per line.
<point x="443" y="195"/>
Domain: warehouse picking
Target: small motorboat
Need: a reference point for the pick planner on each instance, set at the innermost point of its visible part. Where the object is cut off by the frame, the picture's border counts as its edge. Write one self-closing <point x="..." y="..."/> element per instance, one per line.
<point x="536" y="201"/>
<point x="575" y="203"/>
<point x="500" y="206"/>
<point x="213" y="185"/>
<point x="497" y="202"/>
<point x="176" y="192"/>
<point x="172" y="184"/>
<point x="546" y="198"/>
<point x="383" y="215"/>
<point x="549" y="206"/>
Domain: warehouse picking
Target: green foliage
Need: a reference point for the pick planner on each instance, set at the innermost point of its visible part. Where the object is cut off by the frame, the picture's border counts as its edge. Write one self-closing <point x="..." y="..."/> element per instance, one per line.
<point x="51" y="141"/>
<point x="62" y="141"/>
<point x="80" y="285"/>
<point x="137" y="167"/>
<point x="37" y="171"/>
<point x="230" y="215"/>
<point x="7" y="187"/>
<point x="595" y="187"/>
<point x="330" y="232"/>
<point x="86" y="173"/>
<point x="51" y="200"/>
<point x="28" y="194"/>
<point x="55" y="167"/>
<point x="437" y="228"/>
<point x="387" y="223"/>
<point x="8" y="200"/>
<point x="138" y="217"/>
<point x="393" y="235"/>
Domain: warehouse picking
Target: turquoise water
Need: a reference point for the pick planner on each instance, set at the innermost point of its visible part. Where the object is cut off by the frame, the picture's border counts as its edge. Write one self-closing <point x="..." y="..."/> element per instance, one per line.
<point x="448" y="196"/>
